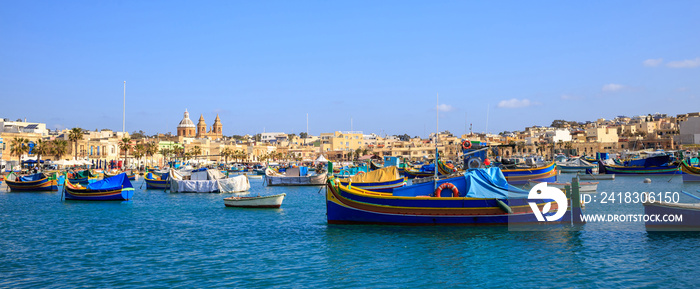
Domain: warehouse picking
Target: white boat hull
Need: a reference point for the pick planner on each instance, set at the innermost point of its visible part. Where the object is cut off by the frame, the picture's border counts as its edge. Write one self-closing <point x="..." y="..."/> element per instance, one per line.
<point x="583" y="187"/>
<point x="597" y="177"/>
<point x="274" y="201"/>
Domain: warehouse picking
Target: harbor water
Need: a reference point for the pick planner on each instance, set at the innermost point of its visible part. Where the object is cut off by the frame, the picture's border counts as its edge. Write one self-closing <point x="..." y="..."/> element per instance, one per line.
<point x="160" y="239"/>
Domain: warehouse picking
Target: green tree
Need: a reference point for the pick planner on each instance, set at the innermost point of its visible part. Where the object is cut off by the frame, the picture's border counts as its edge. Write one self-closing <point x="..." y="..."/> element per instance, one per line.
<point x="41" y="148"/>
<point x="151" y="149"/>
<point x="124" y="146"/>
<point x="59" y="148"/>
<point x="18" y="147"/>
<point x="74" y="135"/>
<point x="195" y="152"/>
<point x="139" y="151"/>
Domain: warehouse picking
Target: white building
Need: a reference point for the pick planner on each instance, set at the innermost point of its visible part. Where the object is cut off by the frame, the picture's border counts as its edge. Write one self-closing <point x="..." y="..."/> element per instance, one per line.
<point x="20" y="126"/>
<point x="270" y="136"/>
<point x="555" y="136"/>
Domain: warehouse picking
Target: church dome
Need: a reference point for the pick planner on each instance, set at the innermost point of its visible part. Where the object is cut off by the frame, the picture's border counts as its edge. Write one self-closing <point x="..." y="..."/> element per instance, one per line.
<point x="186" y="121"/>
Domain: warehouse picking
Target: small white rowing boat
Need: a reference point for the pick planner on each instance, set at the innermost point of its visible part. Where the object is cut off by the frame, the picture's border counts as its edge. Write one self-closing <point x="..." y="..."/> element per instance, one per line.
<point x="598" y="177"/>
<point x="274" y="201"/>
<point x="583" y="187"/>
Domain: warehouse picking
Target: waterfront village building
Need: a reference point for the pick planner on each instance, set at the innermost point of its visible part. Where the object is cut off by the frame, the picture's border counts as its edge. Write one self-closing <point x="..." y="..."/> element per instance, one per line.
<point x="690" y="131"/>
<point x="19" y="126"/>
<point x="341" y="141"/>
<point x="271" y="137"/>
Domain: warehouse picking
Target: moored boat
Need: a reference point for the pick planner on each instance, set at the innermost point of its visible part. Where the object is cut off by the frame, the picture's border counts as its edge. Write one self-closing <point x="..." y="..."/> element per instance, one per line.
<point x="116" y="188"/>
<point x="596" y="177"/>
<point x="690" y="173"/>
<point x="480" y="196"/>
<point x="521" y="176"/>
<point x="575" y="165"/>
<point x="34" y="182"/>
<point x="206" y="181"/>
<point x="274" y="201"/>
<point x="155" y="182"/>
<point x="382" y="180"/>
<point x="294" y="177"/>
<point x="584" y="187"/>
<point x="665" y="216"/>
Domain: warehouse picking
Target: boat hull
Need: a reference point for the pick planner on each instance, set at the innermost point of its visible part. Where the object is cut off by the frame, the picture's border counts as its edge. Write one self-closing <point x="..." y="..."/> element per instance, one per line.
<point x="156" y="184"/>
<point x="522" y="176"/>
<point x="255" y="202"/>
<point x="33" y="186"/>
<point x="690" y="216"/>
<point x="99" y="195"/>
<point x="690" y="173"/>
<point x="346" y="207"/>
<point x="597" y="177"/>
<point x="315" y="180"/>
<point x="385" y="187"/>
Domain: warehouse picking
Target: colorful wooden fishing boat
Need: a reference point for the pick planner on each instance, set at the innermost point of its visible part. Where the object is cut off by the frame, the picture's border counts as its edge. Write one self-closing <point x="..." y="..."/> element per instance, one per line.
<point x="639" y="170"/>
<point x="116" y="188"/>
<point x="690" y="173"/>
<point x="156" y="182"/>
<point x="82" y="177"/>
<point x="576" y="165"/>
<point x="382" y="180"/>
<point x="34" y="182"/>
<point x="130" y="174"/>
<point x="429" y="170"/>
<point x="480" y="196"/>
<point x="274" y="201"/>
<point x="521" y="176"/>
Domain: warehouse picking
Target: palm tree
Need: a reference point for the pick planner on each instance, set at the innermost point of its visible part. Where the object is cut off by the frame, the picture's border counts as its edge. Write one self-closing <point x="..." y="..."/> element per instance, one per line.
<point x="165" y="152"/>
<point x="18" y="147"/>
<point x="41" y="148"/>
<point x="125" y="145"/>
<point x="196" y="151"/>
<point x="139" y="151"/>
<point x="74" y="135"/>
<point x="560" y="143"/>
<point x="151" y="149"/>
<point x="568" y="145"/>
<point x="225" y="152"/>
<point x="59" y="148"/>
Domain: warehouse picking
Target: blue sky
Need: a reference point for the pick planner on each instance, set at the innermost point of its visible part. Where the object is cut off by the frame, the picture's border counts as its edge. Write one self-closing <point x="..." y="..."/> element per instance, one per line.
<point x="263" y="65"/>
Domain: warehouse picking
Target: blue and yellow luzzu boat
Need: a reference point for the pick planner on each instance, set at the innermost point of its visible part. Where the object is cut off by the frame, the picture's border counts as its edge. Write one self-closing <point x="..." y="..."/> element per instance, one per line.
<point x="131" y="175"/>
<point x="478" y="197"/>
<point x="35" y="182"/>
<point x="690" y="173"/>
<point x="639" y="170"/>
<point x="83" y="177"/>
<point x="154" y="182"/>
<point x="381" y="180"/>
<point x="429" y="171"/>
<point x="116" y="188"/>
<point x="546" y="173"/>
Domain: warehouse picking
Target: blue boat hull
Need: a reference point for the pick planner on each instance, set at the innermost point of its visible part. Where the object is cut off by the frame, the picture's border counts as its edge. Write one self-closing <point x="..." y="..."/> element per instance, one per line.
<point x="690" y="217"/>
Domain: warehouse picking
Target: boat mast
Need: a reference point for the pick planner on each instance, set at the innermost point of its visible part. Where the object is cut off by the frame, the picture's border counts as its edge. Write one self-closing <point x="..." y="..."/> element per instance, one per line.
<point x="124" y="112"/>
<point x="437" y="133"/>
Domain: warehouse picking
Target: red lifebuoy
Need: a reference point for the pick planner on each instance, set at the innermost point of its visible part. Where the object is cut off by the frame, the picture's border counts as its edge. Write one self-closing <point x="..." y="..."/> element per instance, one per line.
<point x="465" y="146"/>
<point x="455" y="191"/>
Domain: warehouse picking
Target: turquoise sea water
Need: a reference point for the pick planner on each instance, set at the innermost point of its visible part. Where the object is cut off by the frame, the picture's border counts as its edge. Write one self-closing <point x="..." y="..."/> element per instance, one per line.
<point x="191" y="240"/>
